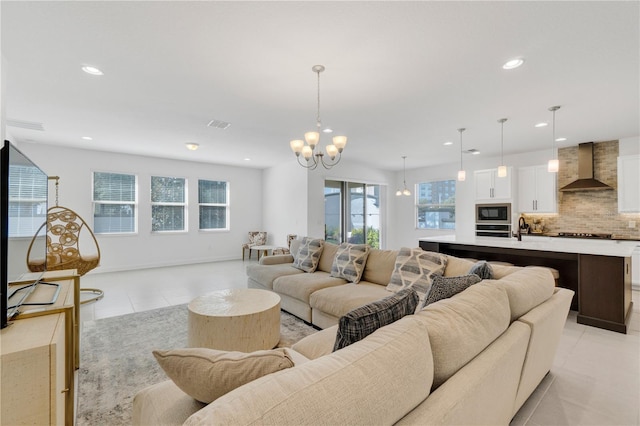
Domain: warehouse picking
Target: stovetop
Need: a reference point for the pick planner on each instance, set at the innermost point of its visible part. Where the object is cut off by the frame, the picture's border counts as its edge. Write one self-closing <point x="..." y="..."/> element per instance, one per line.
<point x="584" y="235"/>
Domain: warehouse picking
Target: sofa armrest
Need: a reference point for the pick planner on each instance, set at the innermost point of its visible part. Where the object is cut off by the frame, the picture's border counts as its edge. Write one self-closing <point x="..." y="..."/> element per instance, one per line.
<point x="317" y="344"/>
<point x="276" y="259"/>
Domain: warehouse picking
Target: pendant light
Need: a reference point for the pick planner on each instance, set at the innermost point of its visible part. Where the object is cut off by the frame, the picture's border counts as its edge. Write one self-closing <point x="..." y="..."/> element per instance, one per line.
<point x="405" y="191"/>
<point x="553" y="165"/>
<point x="502" y="169"/>
<point x="462" y="175"/>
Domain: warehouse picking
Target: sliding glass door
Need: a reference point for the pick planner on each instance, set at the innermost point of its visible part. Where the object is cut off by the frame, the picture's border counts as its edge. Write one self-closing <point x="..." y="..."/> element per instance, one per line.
<point x="352" y="213"/>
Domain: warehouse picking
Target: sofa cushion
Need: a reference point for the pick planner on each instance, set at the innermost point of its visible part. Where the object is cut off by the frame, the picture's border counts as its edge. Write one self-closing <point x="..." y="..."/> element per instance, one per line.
<point x="482" y="269"/>
<point x="362" y="384"/>
<point x="206" y="374"/>
<point x="462" y="326"/>
<point x="415" y="268"/>
<point x="361" y="322"/>
<point x="326" y="258"/>
<point x="339" y="300"/>
<point x="457" y="266"/>
<point x="349" y="261"/>
<point x="266" y="274"/>
<point x="163" y="404"/>
<point x="308" y="255"/>
<point x="445" y="287"/>
<point x="317" y="344"/>
<point x="526" y="288"/>
<point x="379" y="266"/>
<point x="302" y="286"/>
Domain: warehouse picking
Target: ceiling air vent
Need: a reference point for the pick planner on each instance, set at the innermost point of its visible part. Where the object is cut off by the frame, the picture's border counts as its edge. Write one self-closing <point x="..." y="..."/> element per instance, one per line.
<point x="218" y="124"/>
<point x="30" y="125"/>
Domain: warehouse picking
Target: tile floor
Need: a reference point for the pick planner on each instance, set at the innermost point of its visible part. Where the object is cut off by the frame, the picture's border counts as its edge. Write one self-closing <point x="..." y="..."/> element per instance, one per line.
<point x="595" y="379"/>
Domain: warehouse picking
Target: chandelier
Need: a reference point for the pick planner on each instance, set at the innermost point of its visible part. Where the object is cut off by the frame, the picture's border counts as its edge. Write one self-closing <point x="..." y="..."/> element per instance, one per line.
<point x="404" y="191"/>
<point x="312" y="156"/>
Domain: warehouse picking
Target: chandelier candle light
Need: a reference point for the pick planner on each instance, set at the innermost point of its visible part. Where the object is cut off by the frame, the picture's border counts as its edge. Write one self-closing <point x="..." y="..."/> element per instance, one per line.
<point x="311" y="156"/>
<point x="502" y="169"/>
<point x="462" y="175"/>
<point x="553" y="165"/>
<point x="405" y="191"/>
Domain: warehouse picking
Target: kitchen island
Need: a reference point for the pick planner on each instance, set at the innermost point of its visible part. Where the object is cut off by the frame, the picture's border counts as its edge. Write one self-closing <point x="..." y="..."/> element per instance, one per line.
<point x="598" y="271"/>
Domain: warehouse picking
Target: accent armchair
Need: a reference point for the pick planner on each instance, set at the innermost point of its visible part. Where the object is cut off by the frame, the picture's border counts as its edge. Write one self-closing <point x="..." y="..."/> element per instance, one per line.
<point x="256" y="238"/>
<point x="286" y="250"/>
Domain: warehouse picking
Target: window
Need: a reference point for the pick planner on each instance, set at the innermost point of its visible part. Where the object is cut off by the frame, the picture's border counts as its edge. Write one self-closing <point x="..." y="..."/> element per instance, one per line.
<point x="352" y="213"/>
<point x="168" y="205"/>
<point x="213" y="204"/>
<point x="27" y="200"/>
<point x="114" y="203"/>
<point x="436" y="205"/>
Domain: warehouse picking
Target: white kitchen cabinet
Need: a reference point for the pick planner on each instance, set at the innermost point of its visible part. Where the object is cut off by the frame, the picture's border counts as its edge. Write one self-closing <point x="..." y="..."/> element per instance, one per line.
<point x="490" y="187"/>
<point x="536" y="190"/>
<point x="629" y="184"/>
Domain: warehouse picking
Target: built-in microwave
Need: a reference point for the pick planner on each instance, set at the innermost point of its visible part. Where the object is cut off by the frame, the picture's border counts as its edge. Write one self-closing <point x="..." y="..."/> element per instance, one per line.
<point x="493" y="213"/>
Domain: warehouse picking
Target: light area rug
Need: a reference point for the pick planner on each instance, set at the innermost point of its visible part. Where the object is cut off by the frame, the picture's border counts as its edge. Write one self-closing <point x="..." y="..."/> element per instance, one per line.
<point x="116" y="360"/>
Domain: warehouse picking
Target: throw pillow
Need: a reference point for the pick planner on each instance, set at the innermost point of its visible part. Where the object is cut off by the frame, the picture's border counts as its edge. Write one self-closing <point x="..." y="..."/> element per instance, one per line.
<point x="482" y="269"/>
<point x="308" y="254"/>
<point x="416" y="268"/>
<point x="445" y="287"/>
<point x="207" y="374"/>
<point x="360" y="322"/>
<point x="349" y="261"/>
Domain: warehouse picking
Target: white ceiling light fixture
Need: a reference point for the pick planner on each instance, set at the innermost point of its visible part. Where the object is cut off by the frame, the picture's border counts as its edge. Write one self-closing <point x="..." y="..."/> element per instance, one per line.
<point x="541" y="125"/>
<point x="309" y="153"/>
<point x="87" y="138"/>
<point x="513" y="63"/>
<point x="502" y="169"/>
<point x="553" y="166"/>
<point x="192" y="146"/>
<point x="404" y="191"/>
<point x="462" y="175"/>
<point x="448" y="143"/>
<point x="561" y="139"/>
<point x="92" y="70"/>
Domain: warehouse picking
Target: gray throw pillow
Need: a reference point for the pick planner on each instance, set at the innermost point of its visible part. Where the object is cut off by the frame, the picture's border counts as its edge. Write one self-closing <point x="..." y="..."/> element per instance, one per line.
<point x="349" y="261"/>
<point x="308" y="255"/>
<point x="445" y="287"/>
<point x="360" y="322"/>
<point x="482" y="269"/>
<point x="416" y="268"/>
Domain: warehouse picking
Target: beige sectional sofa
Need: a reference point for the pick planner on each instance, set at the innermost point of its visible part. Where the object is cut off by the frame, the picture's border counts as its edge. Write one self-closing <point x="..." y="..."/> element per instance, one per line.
<point x="471" y="359"/>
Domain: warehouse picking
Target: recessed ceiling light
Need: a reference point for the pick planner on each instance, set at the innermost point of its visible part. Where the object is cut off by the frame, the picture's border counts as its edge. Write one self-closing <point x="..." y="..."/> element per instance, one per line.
<point x="247" y="159"/>
<point x="87" y="138"/>
<point x="513" y="63"/>
<point x="561" y="139"/>
<point x="92" y="70"/>
<point x="448" y="143"/>
<point x="191" y="146"/>
<point x="541" y="125"/>
<point x="327" y="130"/>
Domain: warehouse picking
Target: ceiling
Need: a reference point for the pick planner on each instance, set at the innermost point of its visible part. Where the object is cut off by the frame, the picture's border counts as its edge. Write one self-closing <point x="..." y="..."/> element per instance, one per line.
<point x="400" y="79"/>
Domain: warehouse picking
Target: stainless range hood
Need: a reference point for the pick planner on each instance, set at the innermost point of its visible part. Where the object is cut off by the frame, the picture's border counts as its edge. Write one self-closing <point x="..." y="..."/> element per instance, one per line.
<point x="586" y="181"/>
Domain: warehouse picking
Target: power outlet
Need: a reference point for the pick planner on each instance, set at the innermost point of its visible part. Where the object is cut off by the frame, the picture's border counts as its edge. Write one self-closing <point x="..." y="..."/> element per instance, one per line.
<point x="632" y="224"/>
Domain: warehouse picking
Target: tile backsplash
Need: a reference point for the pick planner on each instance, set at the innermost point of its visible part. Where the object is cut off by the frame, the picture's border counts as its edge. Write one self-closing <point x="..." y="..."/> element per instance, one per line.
<point x="590" y="211"/>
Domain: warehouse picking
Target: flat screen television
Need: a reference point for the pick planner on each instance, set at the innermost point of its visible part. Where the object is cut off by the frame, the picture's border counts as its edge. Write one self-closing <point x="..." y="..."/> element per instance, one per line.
<point x="23" y="211"/>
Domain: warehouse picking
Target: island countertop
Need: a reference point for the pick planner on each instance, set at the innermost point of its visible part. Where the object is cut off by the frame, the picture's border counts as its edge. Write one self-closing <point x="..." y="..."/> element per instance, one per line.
<point x="615" y="248"/>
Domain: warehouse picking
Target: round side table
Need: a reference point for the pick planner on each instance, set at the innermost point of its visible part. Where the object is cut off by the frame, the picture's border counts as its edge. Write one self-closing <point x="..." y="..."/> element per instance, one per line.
<point x="244" y="320"/>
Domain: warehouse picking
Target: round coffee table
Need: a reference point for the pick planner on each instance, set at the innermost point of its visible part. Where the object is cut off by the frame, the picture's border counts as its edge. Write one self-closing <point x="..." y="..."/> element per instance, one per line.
<point x="244" y="320"/>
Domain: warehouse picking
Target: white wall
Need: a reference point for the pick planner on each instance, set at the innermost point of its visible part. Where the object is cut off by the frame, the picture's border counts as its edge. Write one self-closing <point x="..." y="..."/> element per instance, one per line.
<point x="146" y="249"/>
<point x="629" y="146"/>
<point x="285" y="206"/>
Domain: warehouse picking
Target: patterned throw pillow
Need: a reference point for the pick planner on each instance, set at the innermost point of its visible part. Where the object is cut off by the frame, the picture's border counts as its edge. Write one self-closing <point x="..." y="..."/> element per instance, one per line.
<point x="360" y="322"/>
<point x="308" y="254"/>
<point x="445" y="287"/>
<point x="349" y="261"/>
<point x="416" y="268"/>
<point x="482" y="269"/>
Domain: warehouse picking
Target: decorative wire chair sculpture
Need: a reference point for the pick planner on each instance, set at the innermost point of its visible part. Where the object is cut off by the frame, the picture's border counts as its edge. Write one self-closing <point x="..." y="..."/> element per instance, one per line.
<point x="65" y="231"/>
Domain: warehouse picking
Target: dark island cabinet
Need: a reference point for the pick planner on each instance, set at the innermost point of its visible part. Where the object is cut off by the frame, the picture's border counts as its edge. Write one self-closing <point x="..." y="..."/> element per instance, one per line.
<point x="602" y="284"/>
